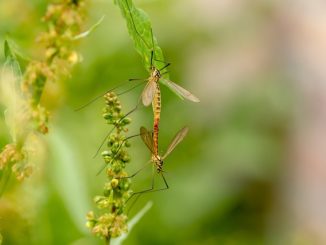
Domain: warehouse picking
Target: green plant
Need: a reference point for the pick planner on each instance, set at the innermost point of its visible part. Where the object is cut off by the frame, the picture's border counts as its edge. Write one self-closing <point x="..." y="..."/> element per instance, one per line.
<point x="113" y="220"/>
<point x="140" y="30"/>
<point x="22" y="92"/>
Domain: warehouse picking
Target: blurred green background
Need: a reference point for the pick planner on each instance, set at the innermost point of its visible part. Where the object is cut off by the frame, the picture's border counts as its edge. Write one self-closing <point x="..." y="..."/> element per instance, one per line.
<point x="226" y="175"/>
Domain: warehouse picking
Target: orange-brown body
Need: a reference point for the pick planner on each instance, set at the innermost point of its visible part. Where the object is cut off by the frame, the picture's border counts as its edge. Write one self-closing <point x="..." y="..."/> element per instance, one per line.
<point x="156" y="104"/>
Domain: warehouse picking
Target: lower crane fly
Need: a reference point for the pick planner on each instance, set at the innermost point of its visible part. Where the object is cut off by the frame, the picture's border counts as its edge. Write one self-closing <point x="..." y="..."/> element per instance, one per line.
<point x="156" y="159"/>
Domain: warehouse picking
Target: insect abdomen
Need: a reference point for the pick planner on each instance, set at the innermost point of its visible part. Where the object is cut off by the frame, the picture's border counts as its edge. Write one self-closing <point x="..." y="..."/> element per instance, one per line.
<point x="157" y="114"/>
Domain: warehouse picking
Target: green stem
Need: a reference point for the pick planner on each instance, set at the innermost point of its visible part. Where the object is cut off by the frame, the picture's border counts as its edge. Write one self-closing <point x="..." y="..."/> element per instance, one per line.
<point x="5" y="177"/>
<point x="107" y="240"/>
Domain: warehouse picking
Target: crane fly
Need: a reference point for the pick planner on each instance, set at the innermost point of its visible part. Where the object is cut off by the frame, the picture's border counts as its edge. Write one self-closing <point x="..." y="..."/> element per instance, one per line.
<point x="147" y="138"/>
<point x="151" y="93"/>
<point x="155" y="73"/>
<point x="156" y="159"/>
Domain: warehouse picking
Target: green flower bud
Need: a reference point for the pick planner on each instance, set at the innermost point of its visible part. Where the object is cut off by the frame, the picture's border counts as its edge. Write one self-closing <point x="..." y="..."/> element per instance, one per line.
<point x="107" y="116"/>
<point x="106" y="153"/>
<point x="114" y="183"/>
<point x="127" y="144"/>
<point x="118" y="108"/>
<point x="126" y="186"/>
<point x="90" y="224"/>
<point x="90" y="215"/>
<point x="125" y="158"/>
<point x="126" y="121"/>
<point x="116" y="167"/>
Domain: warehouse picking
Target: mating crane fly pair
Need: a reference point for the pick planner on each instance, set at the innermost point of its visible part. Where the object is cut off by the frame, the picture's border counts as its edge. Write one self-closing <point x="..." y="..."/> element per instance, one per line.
<point x="151" y="94"/>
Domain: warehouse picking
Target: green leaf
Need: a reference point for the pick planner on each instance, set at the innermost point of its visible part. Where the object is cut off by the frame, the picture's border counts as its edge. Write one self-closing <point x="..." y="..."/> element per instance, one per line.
<point x="11" y="61"/>
<point x="140" y="30"/>
<point x="92" y="28"/>
<point x="8" y="53"/>
<point x="132" y="223"/>
<point x="11" y="96"/>
<point x="69" y="177"/>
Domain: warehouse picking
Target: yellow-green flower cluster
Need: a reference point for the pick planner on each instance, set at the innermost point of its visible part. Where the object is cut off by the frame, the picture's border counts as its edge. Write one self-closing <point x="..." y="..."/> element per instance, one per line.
<point x="64" y="20"/>
<point x="11" y="156"/>
<point x="112" y="222"/>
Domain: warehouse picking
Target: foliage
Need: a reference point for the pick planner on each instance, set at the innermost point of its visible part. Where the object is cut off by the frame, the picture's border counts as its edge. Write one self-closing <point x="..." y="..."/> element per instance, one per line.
<point x="225" y="178"/>
<point x="140" y="30"/>
<point x="25" y="115"/>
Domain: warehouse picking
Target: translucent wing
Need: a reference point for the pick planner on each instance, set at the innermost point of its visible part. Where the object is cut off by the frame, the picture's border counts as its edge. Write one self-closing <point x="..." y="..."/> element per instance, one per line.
<point x="146" y="136"/>
<point x="176" y="140"/>
<point x="180" y="90"/>
<point x="148" y="93"/>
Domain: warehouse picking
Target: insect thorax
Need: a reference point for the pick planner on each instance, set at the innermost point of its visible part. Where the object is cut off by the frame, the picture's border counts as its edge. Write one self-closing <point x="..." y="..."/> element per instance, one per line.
<point x="155" y="73"/>
<point x="158" y="163"/>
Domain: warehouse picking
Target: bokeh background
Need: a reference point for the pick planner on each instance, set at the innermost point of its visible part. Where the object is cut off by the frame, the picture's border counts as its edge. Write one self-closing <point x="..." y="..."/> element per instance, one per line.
<point x="252" y="169"/>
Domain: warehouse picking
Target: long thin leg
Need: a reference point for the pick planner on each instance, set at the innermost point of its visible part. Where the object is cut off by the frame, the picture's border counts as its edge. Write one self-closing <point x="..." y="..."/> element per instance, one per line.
<point x="136" y="86"/>
<point x="132" y="204"/>
<point x="152" y="188"/>
<point x="94" y="99"/>
<point x="164" y="73"/>
<point x="152" y="55"/>
<point x="164" y="62"/>
<point x="107" y="135"/>
<point x="117" y="152"/>
<point x="167" y="64"/>
<point x="149" y="189"/>
<point x="165" y="182"/>
<point x="134" y="174"/>
<point x="153" y="48"/>
<point x="108" y="91"/>
<point x="102" y="142"/>
<point x="138" y="194"/>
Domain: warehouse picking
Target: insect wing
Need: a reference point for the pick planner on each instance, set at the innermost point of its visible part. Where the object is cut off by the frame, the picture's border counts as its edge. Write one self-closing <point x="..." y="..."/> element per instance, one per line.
<point x="146" y="136"/>
<point x="183" y="93"/>
<point x="148" y="93"/>
<point x="176" y="140"/>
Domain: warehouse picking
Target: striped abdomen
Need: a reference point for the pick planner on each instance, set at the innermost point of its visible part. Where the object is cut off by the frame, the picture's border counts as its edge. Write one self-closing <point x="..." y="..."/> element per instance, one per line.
<point x="157" y="114"/>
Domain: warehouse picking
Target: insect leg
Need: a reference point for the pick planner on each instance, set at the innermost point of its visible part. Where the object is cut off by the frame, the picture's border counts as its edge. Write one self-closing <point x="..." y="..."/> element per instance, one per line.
<point x="134" y="174"/>
<point x="152" y="188"/>
<point x="126" y="91"/>
<point x="147" y="190"/>
<point x="110" y="90"/>
<point x="107" y="135"/>
<point x="117" y="152"/>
